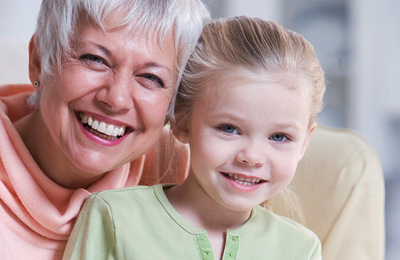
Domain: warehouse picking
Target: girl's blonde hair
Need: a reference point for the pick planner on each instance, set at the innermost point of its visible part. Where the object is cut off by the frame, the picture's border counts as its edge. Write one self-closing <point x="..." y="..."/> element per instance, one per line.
<point x="265" y="51"/>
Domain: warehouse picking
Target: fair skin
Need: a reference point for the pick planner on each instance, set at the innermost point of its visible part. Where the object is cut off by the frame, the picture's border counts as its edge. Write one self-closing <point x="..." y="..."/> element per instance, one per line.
<point x="246" y="139"/>
<point x="123" y="81"/>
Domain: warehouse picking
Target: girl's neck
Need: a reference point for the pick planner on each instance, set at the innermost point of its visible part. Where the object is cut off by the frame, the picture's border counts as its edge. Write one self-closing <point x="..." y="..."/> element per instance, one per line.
<point x="200" y="210"/>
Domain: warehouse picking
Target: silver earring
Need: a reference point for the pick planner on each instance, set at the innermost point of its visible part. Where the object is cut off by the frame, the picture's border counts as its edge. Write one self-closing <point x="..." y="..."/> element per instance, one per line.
<point x="36" y="83"/>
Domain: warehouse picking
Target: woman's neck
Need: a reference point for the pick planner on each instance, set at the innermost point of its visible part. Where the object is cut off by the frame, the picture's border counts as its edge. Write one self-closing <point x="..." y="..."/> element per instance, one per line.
<point x="200" y="210"/>
<point x="47" y="154"/>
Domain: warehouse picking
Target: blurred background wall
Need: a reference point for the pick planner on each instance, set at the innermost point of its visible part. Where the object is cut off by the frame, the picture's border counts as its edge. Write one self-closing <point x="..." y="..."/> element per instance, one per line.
<point x="357" y="42"/>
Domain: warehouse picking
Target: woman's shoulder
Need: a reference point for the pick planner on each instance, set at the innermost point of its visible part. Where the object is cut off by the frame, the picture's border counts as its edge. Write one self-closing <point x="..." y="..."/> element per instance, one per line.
<point x="13" y="100"/>
<point x="13" y="89"/>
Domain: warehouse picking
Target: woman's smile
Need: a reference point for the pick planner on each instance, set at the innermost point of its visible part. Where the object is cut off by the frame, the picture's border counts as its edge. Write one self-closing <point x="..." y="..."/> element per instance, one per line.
<point x="102" y="129"/>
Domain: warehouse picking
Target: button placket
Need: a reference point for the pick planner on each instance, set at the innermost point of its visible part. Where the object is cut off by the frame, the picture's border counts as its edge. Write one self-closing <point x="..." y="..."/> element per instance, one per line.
<point x="204" y="246"/>
<point x="231" y="248"/>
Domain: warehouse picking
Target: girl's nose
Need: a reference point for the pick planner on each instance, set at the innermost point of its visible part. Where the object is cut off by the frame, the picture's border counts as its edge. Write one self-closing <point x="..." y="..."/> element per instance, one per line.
<point x="253" y="155"/>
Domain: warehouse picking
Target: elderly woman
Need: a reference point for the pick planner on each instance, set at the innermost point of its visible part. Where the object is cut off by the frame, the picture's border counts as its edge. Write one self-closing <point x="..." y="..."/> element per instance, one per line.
<point x="104" y="74"/>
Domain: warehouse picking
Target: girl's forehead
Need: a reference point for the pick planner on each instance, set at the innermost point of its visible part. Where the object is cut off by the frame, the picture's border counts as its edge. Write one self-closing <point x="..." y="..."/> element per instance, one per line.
<point x="241" y="76"/>
<point x="244" y="80"/>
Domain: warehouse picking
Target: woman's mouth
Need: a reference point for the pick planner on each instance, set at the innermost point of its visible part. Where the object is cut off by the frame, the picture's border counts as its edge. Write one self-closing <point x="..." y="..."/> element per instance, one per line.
<point x="102" y="129"/>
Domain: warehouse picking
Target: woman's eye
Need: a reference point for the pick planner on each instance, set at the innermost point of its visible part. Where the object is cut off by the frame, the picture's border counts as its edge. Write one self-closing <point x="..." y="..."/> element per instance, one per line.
<point x="278" y="137"/>
<point x="229" y="129"/>
<point x="154" y="78"/>
<point x="92" y="59"/>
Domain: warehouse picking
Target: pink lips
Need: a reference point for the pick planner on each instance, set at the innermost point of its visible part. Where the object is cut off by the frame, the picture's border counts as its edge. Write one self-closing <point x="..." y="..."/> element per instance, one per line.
<point x="97" y="139"/>
<point x="242" y="187"/>
<point x="100" y="140"/>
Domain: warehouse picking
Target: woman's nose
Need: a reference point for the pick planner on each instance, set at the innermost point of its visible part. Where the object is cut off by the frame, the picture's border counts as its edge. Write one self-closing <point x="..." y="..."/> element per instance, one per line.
<point x="253" y="155"/>
<point x="116" y="95"/>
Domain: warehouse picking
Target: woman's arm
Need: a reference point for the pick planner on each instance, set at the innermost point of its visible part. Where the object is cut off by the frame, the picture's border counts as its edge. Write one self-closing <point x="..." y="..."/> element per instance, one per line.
<point x="93" y="236"/>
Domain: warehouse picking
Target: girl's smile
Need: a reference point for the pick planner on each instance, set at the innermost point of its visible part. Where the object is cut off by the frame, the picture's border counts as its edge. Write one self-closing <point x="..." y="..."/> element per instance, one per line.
<point x="242" y="182"/>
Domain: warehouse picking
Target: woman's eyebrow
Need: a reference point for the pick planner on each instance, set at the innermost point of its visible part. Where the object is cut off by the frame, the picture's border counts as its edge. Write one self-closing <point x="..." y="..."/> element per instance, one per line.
<point x="151" y="64"/>
<point x="81" y="44"/>
<point x="157" y="65"/>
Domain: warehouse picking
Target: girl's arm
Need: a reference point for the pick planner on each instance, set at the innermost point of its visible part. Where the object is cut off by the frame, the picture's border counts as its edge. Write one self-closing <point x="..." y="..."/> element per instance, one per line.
<point x="316" y="253"/>
<point x="93" y="235"/>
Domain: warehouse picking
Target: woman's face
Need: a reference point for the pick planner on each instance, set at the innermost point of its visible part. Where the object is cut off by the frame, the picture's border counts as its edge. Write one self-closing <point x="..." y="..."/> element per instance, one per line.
<point x="107" y="105"/>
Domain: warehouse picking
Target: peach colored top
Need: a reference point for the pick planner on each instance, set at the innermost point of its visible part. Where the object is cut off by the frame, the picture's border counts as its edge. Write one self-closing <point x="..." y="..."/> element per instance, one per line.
<point x="36" y="214"/>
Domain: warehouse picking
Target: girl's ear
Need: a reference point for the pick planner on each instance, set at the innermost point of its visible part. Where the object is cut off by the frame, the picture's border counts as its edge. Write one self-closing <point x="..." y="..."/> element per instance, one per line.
<point x="182" y="131"/>
<point x="34" y="61"/>
<point x="308" y="138"/>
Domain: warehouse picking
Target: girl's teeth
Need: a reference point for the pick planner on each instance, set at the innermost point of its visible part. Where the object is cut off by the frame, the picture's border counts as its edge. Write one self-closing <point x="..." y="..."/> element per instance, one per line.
<point x="244" y="181"/>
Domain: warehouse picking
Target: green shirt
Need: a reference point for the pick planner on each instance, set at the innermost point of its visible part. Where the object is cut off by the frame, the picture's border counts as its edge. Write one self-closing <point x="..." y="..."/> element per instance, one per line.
<point x="140" y="223"/>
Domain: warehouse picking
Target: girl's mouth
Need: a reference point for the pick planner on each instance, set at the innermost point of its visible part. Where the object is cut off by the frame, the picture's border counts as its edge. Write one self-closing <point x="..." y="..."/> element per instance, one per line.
<point x="247" y="181"/>
<point x="102" y="129"/>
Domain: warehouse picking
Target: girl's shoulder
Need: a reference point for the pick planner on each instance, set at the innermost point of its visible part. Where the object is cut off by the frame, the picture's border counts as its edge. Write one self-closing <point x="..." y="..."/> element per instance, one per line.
<point x="282" y="226"/>
<point x="271" y="236"/>
<point x="125" y="195"/>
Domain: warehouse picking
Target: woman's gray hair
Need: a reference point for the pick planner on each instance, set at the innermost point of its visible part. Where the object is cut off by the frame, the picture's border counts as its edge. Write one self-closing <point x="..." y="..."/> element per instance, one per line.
<point x="58" y="20"/>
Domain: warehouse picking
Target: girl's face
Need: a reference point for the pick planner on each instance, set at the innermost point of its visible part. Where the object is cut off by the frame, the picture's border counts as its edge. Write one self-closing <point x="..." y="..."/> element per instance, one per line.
<point x="107" y="105"/>
<point x="246" y="140"/>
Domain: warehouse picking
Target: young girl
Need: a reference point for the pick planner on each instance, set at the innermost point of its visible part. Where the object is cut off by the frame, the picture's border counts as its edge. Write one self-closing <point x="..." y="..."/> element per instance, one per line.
<point x="246" y="106"/>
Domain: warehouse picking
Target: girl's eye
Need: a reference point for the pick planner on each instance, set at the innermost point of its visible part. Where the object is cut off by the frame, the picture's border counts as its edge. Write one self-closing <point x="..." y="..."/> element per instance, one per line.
<point x="155" y="79"/>
<point x="229" y="129"/>
<point x="278" y="137"/>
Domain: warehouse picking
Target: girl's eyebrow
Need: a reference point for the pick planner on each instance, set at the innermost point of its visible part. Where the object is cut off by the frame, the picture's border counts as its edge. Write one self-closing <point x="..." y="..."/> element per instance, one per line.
<point x="293" y="126"/>
<point x="285" y="126"/>
<point x="226" y="115"/>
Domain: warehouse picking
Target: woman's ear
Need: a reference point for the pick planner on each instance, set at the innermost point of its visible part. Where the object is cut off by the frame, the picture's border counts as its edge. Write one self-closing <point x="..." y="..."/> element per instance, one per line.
<point x="34" y="61"/>
<point x="181" y="131"/>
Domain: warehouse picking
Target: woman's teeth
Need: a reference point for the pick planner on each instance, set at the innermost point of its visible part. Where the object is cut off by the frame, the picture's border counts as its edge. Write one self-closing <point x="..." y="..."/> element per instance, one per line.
<point x="242" y="180"/>
<point x="104" y="130"/>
